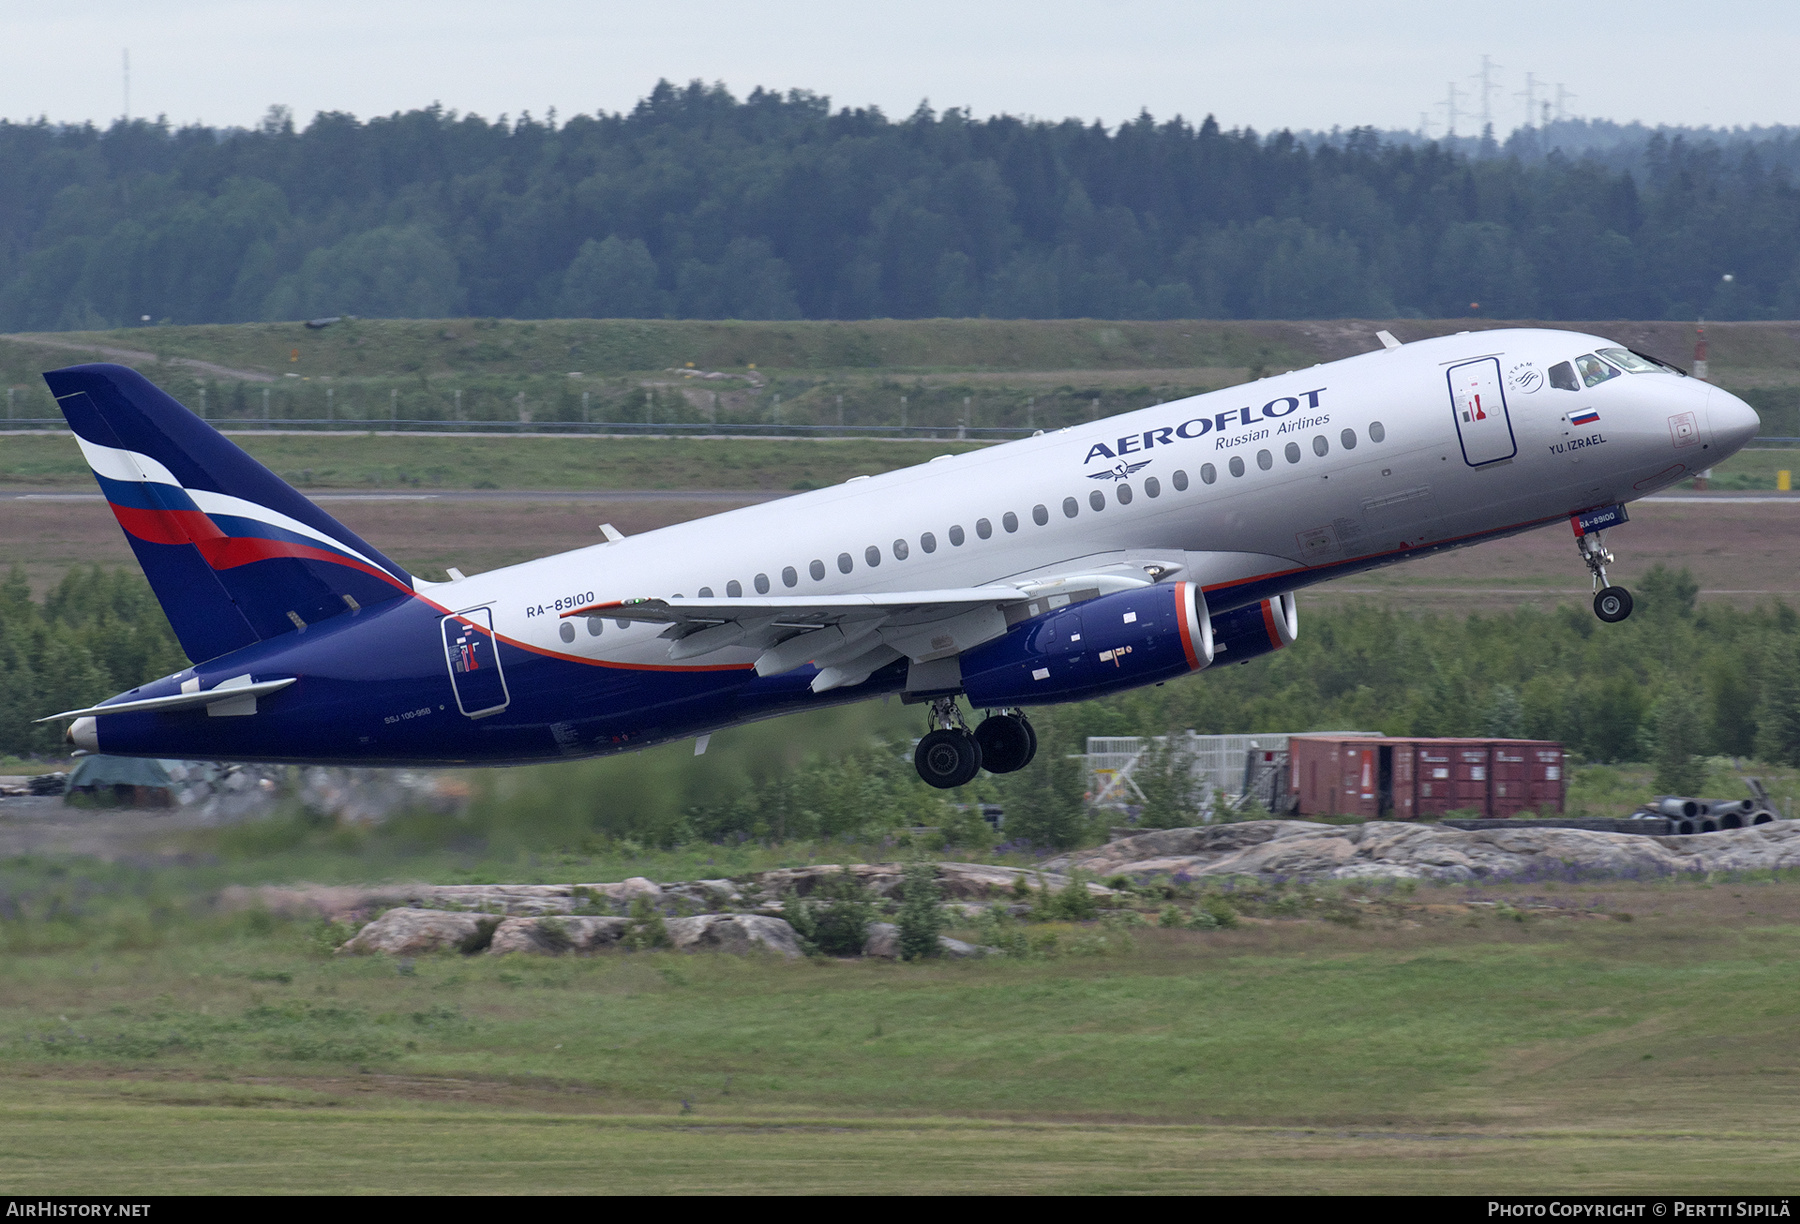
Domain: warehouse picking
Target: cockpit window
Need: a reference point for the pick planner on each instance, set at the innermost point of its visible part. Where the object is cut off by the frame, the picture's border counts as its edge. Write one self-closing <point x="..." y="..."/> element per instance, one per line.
<point x="1593" y="370"/>
<point x="1636" y="363"/>
<point x="1562" y="377"/>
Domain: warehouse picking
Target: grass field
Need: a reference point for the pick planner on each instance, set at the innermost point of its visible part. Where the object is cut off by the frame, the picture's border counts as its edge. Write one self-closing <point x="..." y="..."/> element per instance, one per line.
<point x="1596" y="1037"/>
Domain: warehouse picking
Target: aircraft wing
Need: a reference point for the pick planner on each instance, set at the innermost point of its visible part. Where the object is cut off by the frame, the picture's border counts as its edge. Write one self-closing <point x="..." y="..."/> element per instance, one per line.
<point x="848" y="637"/>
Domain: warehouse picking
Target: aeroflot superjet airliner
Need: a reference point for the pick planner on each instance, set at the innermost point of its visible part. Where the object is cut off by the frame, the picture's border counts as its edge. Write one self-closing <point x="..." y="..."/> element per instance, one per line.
<point x="1062" y="566"/>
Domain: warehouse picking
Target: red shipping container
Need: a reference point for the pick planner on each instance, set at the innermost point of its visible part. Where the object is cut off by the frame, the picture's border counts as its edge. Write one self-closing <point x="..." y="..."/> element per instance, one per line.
<point x="1406" y="779"/>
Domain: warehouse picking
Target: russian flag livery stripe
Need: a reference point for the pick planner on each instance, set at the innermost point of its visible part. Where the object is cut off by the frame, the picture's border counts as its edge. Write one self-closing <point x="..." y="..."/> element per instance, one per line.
<point x="234" y="553"/>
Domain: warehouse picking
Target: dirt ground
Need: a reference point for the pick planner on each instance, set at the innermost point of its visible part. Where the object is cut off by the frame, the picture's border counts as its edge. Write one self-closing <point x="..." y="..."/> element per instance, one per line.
<point x="1742" y="549"/>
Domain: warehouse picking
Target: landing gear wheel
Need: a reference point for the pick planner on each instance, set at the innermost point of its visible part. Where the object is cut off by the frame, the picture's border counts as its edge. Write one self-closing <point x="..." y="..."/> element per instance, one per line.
<point x="1007" y="743"/>
<point x="1612" y="604"/>
<point x="947" y="758"/>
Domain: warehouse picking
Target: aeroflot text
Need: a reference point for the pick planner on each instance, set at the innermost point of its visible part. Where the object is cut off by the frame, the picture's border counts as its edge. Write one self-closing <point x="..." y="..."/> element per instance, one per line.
<point x="1199" y="427"/>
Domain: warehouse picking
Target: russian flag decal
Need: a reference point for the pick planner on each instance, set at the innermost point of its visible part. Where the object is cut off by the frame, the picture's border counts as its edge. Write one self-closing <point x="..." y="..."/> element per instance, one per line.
<point x="1585" y="417"/>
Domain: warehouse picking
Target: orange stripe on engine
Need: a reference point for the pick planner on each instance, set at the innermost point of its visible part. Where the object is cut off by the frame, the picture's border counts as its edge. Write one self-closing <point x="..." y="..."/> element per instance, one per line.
<point x="1181" y="618"/>
<point x="1275" y="641"/>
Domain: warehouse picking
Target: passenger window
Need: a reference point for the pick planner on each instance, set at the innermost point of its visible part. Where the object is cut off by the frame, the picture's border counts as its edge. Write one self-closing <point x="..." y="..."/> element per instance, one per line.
<point x="734" y="589"/>
<point x="1123" y="492"/>
<point x="1179" y="479"/>
<point x="1264" y="460"/>
<point x="1562" y="377"/>
<point x="956" y="536"/>
<point x="1376" y="432"/>
<point x="762" y="584"/>
<point x="1208" y="474"/>
<point x="872" y="555"/>
<point x="1321" y="447"/>
<point x="900" y="550"/>
<point x="567" y="631"/>
<point x="1236" y="465"/>
<point x="928" y="542"/>
<point x="983" y="528"/>
<point x="845" y="564"/>
<point x="789" y="577"/>
<point x="1010" y="521"/>
<point x="1594" y="371"/>
<point x="706" y="593"/>
<point x="817" y="570"/>
<point x="1097" y="500"/>
<point x="595" y="626"/>
<point x="1152" y="488"/>
<point x="1292" y="452"/>
<point x="1040" y="515"/>
<point x="1071" y="507"/>
<point x="623" y="624"/>
<point x="1348" y="439"/>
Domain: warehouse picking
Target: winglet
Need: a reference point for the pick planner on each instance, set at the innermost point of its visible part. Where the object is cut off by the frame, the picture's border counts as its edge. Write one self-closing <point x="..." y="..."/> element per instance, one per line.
<point x="1387" y="339"/>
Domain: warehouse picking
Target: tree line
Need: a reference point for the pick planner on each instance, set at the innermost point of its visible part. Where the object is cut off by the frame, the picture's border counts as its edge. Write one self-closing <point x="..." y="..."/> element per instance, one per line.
<point x="696" y="204"/>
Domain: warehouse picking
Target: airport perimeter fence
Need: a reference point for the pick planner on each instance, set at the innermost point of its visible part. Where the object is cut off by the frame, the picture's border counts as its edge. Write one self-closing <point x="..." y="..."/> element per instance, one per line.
<point x="942" y="433"/>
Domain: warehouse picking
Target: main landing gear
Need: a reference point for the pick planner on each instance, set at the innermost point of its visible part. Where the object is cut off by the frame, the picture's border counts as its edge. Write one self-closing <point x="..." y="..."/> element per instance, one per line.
<point x="1612" y="604"/>
<point x="951" y="755"/>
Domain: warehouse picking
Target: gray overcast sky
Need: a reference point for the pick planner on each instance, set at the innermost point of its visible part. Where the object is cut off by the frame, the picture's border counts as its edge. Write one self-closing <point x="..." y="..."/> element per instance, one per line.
<point x="1269" y="64"/>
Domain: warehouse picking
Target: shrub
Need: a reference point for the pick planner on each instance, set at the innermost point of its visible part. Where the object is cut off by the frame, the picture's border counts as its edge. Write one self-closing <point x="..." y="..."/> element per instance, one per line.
<point x="647" y="928"/>
<point x="834" y="921"/>
<point x="921" y="915"/>
<point x="1073" y="903"/>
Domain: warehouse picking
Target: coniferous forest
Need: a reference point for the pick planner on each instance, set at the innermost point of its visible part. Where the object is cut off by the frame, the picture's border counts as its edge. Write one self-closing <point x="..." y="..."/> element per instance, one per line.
<point x="696" y="204"/>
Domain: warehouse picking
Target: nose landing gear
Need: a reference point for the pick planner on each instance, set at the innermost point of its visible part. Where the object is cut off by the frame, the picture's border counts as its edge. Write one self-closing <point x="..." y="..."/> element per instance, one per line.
<point x="951" y="755"/>
<point x="1612" y="604"/>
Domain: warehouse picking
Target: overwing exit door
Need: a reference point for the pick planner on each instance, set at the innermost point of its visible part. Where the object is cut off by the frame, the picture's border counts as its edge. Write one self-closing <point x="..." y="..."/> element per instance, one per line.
<point x="474" y="661"/>
<point x="1480" y="406"/>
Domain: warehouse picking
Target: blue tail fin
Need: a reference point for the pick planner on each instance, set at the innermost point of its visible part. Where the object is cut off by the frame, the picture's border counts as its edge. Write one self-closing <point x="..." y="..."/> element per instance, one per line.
<point x="234" y="554"/>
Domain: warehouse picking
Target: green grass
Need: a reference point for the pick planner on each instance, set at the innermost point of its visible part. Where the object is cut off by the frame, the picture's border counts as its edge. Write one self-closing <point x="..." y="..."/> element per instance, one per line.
<point x="1476" y="1050"/>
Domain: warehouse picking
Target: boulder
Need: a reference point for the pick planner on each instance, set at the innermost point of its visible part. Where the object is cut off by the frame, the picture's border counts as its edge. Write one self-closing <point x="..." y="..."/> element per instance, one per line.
<point x="883" y="941"/>
<point x="557" y="935"/>
<point x="737" y="933"/>
<point x="958" y="950"/>
<point x="411" y="932"/>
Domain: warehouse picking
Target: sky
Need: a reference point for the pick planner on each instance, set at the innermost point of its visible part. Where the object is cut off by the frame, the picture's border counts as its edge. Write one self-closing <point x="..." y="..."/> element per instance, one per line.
<point x="1267" y="65"/>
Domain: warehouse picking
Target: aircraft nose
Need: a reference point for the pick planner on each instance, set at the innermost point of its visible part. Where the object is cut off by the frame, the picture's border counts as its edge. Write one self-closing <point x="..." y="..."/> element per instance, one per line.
<point x="1734" y="422"/>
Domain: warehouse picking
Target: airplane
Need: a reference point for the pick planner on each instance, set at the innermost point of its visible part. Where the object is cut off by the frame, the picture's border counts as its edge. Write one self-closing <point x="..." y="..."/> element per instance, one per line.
<point x="1078" y="562"/>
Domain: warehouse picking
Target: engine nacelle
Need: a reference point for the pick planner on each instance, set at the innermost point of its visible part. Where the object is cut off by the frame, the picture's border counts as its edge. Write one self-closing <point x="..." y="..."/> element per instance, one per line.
<point x="1118" y="641"/>
<point x="1244" y="633"/>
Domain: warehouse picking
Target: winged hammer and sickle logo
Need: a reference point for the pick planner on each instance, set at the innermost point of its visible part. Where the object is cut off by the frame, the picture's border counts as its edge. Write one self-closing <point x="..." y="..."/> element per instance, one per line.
<point x="1118" y="471"/>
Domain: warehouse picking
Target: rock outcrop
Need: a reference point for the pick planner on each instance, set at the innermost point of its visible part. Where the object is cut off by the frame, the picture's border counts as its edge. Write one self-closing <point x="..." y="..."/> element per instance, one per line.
<point x="1292" y="849"/>
<point x="557" y="935"/>
<point x="737" y="933"/>
<point x="414" y="932"/>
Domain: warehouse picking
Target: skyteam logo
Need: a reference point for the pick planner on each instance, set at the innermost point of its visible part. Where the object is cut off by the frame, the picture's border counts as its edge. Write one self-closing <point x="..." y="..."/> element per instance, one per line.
<point x="1227" y="424"/>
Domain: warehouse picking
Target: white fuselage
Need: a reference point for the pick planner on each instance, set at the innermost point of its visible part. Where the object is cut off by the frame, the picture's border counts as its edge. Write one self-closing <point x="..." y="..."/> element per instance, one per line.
<point x="1306" y="507"/>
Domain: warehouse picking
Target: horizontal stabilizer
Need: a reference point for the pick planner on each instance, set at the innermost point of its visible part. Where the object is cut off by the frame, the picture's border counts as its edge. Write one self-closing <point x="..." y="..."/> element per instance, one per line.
<point x="179" y="701"/>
